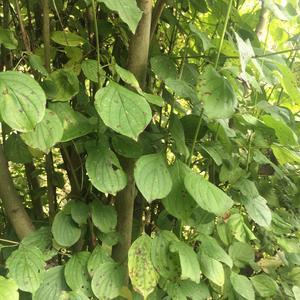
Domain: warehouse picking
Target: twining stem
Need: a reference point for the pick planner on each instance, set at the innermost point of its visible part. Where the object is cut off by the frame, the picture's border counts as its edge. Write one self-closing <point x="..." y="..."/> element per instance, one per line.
<point x="97" y="42"/>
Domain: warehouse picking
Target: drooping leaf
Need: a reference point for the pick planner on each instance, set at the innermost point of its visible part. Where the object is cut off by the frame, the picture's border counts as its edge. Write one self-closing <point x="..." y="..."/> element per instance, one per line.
<point x="131" y="114"/>
<point x="98" y="257"/>
<point x="128" y="77"/>
<point x="177" y="132"/>
<point x="258" y="210"/>
<point x="242" y="285"/>
<point x="127" y="10"/>
<point x="206" y="41"/>
<point x="264" y="285"/>
<point x="211" y="248"/>
<point x="22" y="102"/>
<point x="23" y="154"/>
<point x="126" y="146"/>
<point x="188" y="261"/>
<point x="61" y="85"/>
<point x="65" y="231"/>
<point x="143" y="276"/>
<point x="8" y="289"/>
<point x="152" y="177"/>
<point x="108" y="280"/>
<point x="90" y="70"/>
<point x="154" y="99"/>
<point x="67" y="38"/>
<point x="285" y="155"/>
<point x="207" y="195"/>
<point x="165" y="262"/>
<point x="197" y="291"/>
<point x="104" y="170"/>
<point x="8" y="39"/>
<point x="296" y="292"/>
<point x="239" y="229"/>
<point x="219" y="99"/>
<point x="53" y="284"/>
<point x="76" y="273"/>
<point x="104" y="216"/>
<point x="46" y="133"/>
<point x="272" y="6"/>
<point x="284" y="133"/>
<point x="178" y="202"/>
<point x="37" y="64"/>
<point x="212" y="269"/>
<point x="183" y="89"/>
<point x="74" y="123"/>
<point x="26" y="267"/>
<point x="164" y="67"/>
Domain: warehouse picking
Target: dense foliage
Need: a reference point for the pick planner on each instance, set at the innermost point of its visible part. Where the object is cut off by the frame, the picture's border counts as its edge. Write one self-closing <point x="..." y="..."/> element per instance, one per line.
<point x="149" y="152"/>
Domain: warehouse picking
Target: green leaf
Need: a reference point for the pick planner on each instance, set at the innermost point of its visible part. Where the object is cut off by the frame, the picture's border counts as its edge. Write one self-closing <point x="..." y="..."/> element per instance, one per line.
<point x="242" y="285"/>
<point x="74" y="123"/>
<point x="127" y="10"/>
<point x="188" y="261"/>
<point x="206" y="41"/>
<point x="79" y="212"/>
<point x="288" y="81"/>
<point x="179" y="203"/>
<point x="8" y="289"/>
<point x="166" y="263"/>
<point x="284" y="133"/>
<point x="152" y="177"/>
<point x="61" y="85"/>
<point x="208" y="196"/>
<point x="264" y="285"/>
<point x="105" y="171"/>
<point x="76" y="273"/>
<point x="164" y="67"/>
<point x="269" y="4"/>
<point x="52" y="285"/>
<point x="219" y="99"/>
<point x="40" y="238"/>
<point x="131" y="114"/>
<point x="26" y="267"/>
<point x="241" y="254"/>
<point x="90" y="70"/>
<point x="210" y="247"/>
<point x="183" y="89"/>
<point x="8" y="39"/>
<point x="128" y="77"/>
<point x="104" y="216"/>
<point x="65" y="231"/>
<point x="74" y="295"/>
<point x="239" y="229"/>
<point x="66" y="38"/>
<point x="46" y="134"/>
<point x="154" y="99"/>
<point x="177" y="133"/>
<point x="195" y="291"/>
<point x="21" y="156"/>
<point x="143" y="276"/>
<point x="285" y="155"/>
<point x="258" y="210"/>
<point x="98" y="257"/>
<point x="22" y="102"/>
<point x="246" y="52"/>
<point x="126" y="147"/>
<point x="296" y="292"/>
<point x="212" y="269"/>
<point x="108" y="280"/>
<point x="37" y="64"/>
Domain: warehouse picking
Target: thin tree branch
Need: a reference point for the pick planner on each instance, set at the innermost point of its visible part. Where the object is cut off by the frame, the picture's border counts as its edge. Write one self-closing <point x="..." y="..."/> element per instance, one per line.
<point x="157" y="11"/>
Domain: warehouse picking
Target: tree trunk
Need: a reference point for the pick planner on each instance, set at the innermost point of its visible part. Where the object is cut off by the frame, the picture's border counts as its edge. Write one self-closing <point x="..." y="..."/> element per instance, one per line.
<point x="137" y="64"/>
<point x="11" y="201"/>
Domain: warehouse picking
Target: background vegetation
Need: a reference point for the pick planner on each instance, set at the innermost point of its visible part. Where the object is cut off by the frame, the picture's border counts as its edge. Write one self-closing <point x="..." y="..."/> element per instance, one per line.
<point x="150" y="149"/>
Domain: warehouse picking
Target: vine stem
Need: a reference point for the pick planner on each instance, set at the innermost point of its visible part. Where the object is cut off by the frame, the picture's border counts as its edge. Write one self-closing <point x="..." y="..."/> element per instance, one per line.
<point x="223" y="33"/>
<point x="97" y="41"/>
<point x="216" y="65"/>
